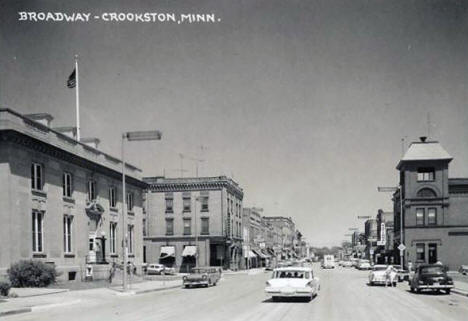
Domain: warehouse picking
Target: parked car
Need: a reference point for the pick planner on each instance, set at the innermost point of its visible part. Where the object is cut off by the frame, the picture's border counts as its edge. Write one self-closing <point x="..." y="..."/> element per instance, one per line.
<point x="204" y="276"/>
<point x="402" y="275"/>
<point x="347" y="264"/>
<point x="431" y="277"/>
<point x="378" y="275"/>
<point x="463" y="269"/>
<point x="155" y="268"/>
<point x="292" y="282"/>
<point x="363" y="265"/>
<point x="328" y="262"/>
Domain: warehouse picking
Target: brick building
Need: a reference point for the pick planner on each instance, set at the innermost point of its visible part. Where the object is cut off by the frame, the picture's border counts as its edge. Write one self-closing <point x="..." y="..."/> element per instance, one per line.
<point x="194" y="217"/>
<point x="435" y="207"/>
<point x="285" y="229"/>
<point x="61" y="199"/>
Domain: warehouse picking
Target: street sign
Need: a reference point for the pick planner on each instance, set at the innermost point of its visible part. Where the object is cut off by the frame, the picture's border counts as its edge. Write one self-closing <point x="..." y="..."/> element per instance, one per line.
<point x="371" y="251"/>
<point x="401" y="247"/>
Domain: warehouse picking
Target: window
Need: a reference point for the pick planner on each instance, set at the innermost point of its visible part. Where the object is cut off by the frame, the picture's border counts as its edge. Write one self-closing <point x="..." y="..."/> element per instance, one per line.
<point x="186" y="202"/>
<point x="91" y="190"/>
<point x="130" y="202"/>
<point x="36" y="176"/>
<point x="420" y="252"/>
<point x="112" y="197"/>
<point x="130" y="239"/>
<point x="169" y="205"/>
<point x="67" y="184"/>
<point x="67" y="233"/>
<point x="187" y="226"/>
<point x="204" y="203"/>
<point x="169" y="227"/>
<point x="425" y="174"/>
<point x="37" y="225"/>
<point x="205" y="226"/>
<point x="113" y="237"/>
<point x="144" y="227"/>
<point x="426" y="192"/>
<point x="420" y="216"/>
<point x="432" y="216"/>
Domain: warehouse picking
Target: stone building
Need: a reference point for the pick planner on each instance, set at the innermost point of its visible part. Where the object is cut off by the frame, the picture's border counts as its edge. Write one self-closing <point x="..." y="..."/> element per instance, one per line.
<point x="435" y="207"/>
<point x="285" y="229"/>
<point x="190" y="218"/>
<point x="384" y="251"/>
<point x="61" y="199"/>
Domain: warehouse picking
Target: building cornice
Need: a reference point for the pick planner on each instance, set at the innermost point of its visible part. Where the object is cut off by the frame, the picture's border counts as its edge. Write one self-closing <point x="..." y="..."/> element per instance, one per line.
<point x="53" y="151"/>
<point x="160" y="184"/>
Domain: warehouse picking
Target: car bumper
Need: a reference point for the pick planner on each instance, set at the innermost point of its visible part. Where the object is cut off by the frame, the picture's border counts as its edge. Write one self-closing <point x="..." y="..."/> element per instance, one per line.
<point x="295" y="292"/>
<point x="435" y="287"/>
<point x="196" y="282"/>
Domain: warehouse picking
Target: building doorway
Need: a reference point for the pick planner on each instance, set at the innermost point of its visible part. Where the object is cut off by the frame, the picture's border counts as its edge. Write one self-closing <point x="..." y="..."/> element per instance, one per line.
<point x="432" y="253"/>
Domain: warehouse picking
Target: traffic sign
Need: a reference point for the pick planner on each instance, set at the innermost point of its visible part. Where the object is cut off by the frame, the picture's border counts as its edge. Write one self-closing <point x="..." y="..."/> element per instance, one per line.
<point x="371" y="251"/>
<point x="402" y="247"/>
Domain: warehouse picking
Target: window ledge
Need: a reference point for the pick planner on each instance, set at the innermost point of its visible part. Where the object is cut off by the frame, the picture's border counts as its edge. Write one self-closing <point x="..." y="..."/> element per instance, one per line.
<point x="131" y="213"/>
<point x="131" y="255"/>
<point x="204" y="210"/>
<point x="69" y="255"/>
<point x="169" y="212"/>
<point x="68" y="199"/>
<point x="186" y="211"/>
<point x="37" y="192"/>
<point x="38" y="254"/>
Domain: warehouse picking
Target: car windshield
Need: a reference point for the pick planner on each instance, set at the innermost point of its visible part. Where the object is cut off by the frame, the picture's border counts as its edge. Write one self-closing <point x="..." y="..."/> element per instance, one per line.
<point x="199" y="270"/>
<point x="290" y="275"/>
<point x="432" y="270"/>
<point x="379" y="268"/>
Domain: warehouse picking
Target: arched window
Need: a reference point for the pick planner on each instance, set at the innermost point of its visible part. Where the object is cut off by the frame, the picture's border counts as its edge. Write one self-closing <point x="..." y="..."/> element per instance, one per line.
<point x="426" y="192"/>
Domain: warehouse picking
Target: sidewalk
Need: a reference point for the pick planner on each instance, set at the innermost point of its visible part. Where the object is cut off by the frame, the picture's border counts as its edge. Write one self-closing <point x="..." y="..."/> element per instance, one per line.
<point x="460" y="282"/>
<point x="249" y="272"/>
<point x="33" y="299"/>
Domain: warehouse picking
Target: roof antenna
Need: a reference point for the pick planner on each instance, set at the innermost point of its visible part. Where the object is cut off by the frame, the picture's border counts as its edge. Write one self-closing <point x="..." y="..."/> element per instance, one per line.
<point x="428" y="124"/>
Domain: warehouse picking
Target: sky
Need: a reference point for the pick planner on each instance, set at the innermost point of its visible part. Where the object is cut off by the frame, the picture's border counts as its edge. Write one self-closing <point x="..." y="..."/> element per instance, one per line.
<point x="303" y="103"/>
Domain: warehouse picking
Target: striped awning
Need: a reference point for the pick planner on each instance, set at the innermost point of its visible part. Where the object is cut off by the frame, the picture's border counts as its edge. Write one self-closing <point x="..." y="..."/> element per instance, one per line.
<point x="189" y="250"/>
<point x="167" y="251"/>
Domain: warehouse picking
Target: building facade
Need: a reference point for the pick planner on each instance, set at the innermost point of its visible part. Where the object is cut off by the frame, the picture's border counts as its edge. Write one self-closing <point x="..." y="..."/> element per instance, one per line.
<point x="190" y="219"/>
<point x="384" y="252"/>
<point x="434" y="207"/>
<point x="285" y="229"/>
<point x="62" y="199"/>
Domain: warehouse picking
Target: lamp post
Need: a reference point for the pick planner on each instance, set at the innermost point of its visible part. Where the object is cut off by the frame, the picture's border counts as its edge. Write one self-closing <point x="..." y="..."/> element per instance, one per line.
<point x="130" y="136"/>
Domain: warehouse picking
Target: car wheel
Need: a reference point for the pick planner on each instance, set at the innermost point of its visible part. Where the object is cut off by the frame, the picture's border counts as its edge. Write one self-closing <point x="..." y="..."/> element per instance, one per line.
<point x="371" y="283"/>
<point x="412" y="289"/>
<point x="275" y="298"/>
<point x="418" y="291"/>
<point x="447" y="291"/>
<point x="394" y="284"/>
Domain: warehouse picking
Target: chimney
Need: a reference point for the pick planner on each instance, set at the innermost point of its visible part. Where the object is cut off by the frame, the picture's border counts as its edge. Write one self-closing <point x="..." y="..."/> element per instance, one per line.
<point x="43" y="118"/>
<point x="91" y="142"/>
<point x="423" y="139"/>
<point x="67" y="131"/>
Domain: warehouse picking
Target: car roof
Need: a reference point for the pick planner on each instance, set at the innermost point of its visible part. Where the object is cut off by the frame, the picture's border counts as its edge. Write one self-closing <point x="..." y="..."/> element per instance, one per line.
<point x="294" y="268"/>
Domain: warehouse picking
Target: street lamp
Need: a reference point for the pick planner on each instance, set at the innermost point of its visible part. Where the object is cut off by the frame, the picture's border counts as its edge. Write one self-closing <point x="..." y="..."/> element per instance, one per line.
<point x="130" y="136"/>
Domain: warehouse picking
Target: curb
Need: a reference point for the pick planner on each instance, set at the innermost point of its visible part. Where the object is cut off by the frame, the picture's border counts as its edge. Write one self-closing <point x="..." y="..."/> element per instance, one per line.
<point x="47" y="293"/>
<point x="135" y="292"/>
<point x="15" y="311"/>
<point x="459" y="292"/>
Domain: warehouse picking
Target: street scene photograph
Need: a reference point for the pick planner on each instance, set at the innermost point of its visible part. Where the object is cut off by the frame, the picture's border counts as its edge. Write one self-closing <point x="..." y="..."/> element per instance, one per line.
<point x="255" y="160"/>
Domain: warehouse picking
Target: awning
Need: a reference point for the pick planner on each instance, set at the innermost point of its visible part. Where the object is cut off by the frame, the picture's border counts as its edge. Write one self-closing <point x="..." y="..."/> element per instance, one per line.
<point x="265" y="252"/>
<point x="251" y="254"/>
<point x="260" y="254"/>
<point x="167" y="251"/>
<point x="189" y="250"/>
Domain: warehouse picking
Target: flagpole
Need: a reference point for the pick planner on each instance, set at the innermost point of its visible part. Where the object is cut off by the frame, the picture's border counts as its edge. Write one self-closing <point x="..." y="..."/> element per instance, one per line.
<point x="77" y="100"/>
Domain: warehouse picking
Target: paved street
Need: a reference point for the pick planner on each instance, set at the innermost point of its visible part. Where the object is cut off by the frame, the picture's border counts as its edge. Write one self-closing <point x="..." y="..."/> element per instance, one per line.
<point x="344" y="296"/>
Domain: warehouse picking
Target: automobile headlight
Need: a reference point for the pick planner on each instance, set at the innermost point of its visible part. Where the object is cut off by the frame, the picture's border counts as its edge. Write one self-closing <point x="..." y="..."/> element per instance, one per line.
<point x="309" y="284"/>
<point x="421" y="282"/>
<point x="267" y="283"/>
<point x="184" y="278"/>
<point x="204" y="276"/>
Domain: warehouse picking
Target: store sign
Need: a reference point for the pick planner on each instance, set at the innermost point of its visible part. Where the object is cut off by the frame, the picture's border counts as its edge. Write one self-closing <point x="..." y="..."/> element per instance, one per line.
<point x="383" y="234"/>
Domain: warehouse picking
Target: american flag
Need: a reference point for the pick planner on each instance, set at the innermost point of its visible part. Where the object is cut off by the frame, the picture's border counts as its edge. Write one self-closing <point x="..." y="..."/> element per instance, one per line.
<point x="71" y="82"/>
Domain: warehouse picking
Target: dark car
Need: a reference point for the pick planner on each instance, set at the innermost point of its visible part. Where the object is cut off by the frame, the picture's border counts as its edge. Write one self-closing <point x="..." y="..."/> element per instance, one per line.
<point x="431" y="277"/>
<point x="204" y="276"/>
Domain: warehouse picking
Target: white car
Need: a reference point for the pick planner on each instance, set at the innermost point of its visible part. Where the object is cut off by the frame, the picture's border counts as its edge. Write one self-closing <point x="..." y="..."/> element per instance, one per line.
<point x="328" y="262"/>
<point x="293" y="282"/>
<point x="157" y="269"/>
<point x="347" y="264"/>
<point x="378" y="275"/>
<point x="364" y="265"/>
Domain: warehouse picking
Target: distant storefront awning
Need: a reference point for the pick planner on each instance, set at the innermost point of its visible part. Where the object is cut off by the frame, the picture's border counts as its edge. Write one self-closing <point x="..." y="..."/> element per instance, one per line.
<point x="250" y="254"/>
<point x="260" y="254"/>
<point x="167" y="251"/>
<point x="265" y="252"/>
<point x="189" y="250"/>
